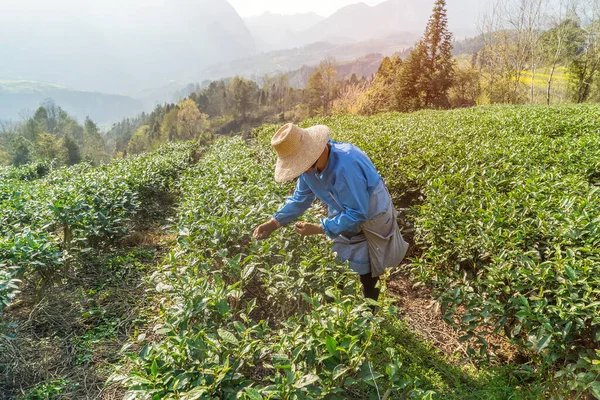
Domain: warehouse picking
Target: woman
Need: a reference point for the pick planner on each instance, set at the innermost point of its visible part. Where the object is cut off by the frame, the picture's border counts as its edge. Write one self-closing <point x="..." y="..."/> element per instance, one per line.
<point x="361" y="219"/>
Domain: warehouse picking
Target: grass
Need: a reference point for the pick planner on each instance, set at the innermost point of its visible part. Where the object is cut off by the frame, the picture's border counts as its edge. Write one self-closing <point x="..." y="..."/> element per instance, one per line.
<point x="435" y="371"/>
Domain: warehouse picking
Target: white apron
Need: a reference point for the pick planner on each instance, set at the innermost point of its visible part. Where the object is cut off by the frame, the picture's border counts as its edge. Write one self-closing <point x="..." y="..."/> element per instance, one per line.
<point x="380" y="245"/>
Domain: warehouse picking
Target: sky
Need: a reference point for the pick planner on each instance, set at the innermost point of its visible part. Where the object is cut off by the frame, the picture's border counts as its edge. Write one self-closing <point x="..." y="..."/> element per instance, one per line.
<point x="247" y="8"/>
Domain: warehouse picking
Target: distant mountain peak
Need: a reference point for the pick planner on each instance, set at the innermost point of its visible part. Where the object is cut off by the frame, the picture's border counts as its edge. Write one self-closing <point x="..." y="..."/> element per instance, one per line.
<point x="354" y="7"/>
<point x="272" y="14"/>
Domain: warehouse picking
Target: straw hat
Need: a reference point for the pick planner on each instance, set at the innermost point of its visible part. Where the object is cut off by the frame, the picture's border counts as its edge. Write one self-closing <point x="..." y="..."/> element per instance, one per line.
<point x="297" y="149"/>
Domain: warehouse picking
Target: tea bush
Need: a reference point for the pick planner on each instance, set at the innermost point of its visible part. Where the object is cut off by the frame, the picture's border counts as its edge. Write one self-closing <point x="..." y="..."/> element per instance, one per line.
<point x="49" y="222"/>
<point x="505" y="204"/>
<point x="246" y="319"/>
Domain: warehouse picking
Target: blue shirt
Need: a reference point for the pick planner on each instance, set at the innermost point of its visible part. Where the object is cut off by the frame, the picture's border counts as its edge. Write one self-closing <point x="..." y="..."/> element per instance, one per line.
<point x="345" y="185"/>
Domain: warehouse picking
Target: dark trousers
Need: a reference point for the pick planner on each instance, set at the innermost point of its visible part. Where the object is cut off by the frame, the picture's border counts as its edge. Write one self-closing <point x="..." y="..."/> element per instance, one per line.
<point x="368" y="286"/>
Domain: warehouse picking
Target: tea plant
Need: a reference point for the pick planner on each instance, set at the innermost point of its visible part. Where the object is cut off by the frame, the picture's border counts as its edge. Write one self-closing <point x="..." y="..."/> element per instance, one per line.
<point x="505" y="204"/>
<point x="49" y="222"/>
<point x="27" y="172"/>
<point x="243" y="319"/>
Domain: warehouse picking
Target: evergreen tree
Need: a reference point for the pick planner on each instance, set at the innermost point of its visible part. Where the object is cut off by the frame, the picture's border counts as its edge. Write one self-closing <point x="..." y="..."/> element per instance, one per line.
<point x="428" y="72"/>
<point x="73" y="153"/>
<point x="20" y="151"/>
<point x="94" y="150"/>
<point x="411" y="83"/>
<point x="41" y="118"/>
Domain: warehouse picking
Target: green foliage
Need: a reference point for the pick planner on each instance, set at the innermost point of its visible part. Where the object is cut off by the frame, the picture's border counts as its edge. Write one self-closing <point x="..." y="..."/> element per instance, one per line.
<point x="72" y="151"/>
<point x="427" y="74"/>
<point x="72" y="211"/>
<point x="27" y="172"/>
<point x="315" y="92"/>
<point x="504" y="202"/>
<point x="466" y="87"/>
<point x="244" y="96"/>
<point x="140" y="141"/>
<point x="21" y="150"/>
<point x="52" y="135"/>
<point x="94" y="147"/>
<point x="50" y="390"/>
<point x="120" y="133"/>
<point x="243" y="319"/>
<point x="380" y="97"/>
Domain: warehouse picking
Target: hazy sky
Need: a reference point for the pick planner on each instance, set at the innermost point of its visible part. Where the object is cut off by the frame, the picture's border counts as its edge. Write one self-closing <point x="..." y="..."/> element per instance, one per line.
<point x="325" y="8"/>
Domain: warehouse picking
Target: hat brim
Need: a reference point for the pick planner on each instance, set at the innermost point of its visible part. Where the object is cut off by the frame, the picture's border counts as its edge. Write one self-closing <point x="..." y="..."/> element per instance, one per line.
<point x="296" y="164"/>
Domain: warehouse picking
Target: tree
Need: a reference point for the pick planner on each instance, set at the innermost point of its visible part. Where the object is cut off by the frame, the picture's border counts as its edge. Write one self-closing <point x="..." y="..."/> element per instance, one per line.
<point x="94" y="148"/>
<point x="190" y="121"/>
<point x="328" y="71"/>
<point x="53" y="115"/>
<point x="411" y="83"/>
<point x="586" y="63"/>
<point x="315" y="94"/>
<point x="502" y="59"/>
<point x="140" y="141"/>
<point x="20" y="151"/>
<point x="380" y="97"/>
<point x="72" y="151"/>
<point x="41" y="119"/>
<point x="349" y="99"/>
<point x="440" y="63"/>
<point x="427" y="74"/>
<point x="49" y="147"/>
<point x="244" y="96"/>
<point x="560" y="43"/>
<point x="466" y="88"/>
<point x="67" y="126"/>
<point x="168" y="127"/>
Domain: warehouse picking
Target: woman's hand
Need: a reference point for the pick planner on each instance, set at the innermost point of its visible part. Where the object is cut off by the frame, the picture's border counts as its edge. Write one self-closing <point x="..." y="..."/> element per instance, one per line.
<point x="265" y="230"/>
<point x="308" y="229"/>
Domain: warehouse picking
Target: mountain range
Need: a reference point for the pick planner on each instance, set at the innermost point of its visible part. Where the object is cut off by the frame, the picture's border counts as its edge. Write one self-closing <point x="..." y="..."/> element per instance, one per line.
<point x="128" y="47"/>
<point x="277" y="31"/>
<point x="289" y="60"/>
<point x="19" y="99"/>
<point x="112" y="47"/>
<point x="360" y="22"/>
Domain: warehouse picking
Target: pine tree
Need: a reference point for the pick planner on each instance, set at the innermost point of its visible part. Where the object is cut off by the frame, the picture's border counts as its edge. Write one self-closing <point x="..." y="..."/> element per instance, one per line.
<point x="73" y="153"/>
<point x="428" y="72"/>
<point x="438" y="40"/>
<point x="411" y="83"/>
<point x="94" y="148"/>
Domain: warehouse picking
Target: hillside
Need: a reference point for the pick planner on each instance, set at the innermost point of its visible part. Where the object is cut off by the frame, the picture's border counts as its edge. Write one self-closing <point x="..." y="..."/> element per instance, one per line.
<point x="18" y="96"/>
<point x="277" y="31"/>
<point x="118" y="47"/>
<point x="362" y="67"/>
<point x="359" y="22"/>
<point x="284" y="61"/>
<point x="498" y="203"/>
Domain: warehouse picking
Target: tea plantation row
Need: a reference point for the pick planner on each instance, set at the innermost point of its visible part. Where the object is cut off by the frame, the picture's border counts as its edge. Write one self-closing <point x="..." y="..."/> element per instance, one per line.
<point x="505" y="205"/>
<point x="241" y="319"/>
<point x="48" y="223"/>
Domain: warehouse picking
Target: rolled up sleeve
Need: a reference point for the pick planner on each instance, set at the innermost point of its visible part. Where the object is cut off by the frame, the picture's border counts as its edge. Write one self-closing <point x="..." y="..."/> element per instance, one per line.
<point x="296" y="205"/>
<point x="353" y="196"/>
